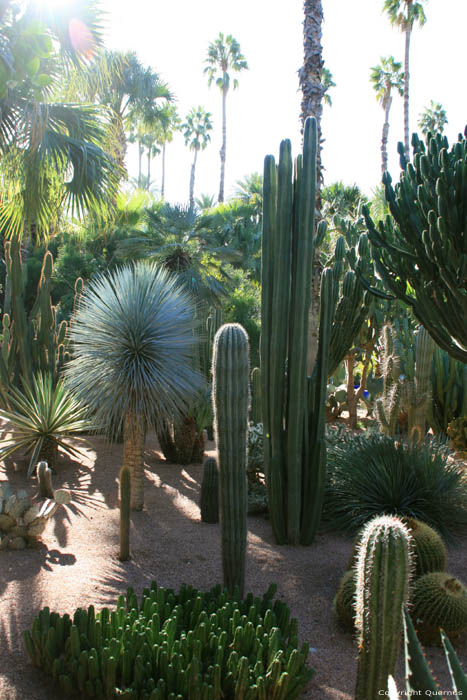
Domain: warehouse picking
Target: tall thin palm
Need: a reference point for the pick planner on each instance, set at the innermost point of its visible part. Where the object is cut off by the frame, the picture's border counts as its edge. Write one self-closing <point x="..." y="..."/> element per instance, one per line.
<point x="224" y="55"/>
<point x="48" y="148"/>
<point x="386" y="77"/>
<point x="433" y="119"/>
<point x="169" y="123"/>
<point x="404" y="14"/>
<point x="133" y="341"/>
<point x="196" y="130"/>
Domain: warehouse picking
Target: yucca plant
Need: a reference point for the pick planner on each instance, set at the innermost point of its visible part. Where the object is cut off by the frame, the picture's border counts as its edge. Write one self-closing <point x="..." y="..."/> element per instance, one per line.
<point x="42" y="415"/>
<point x="133" y="340"/>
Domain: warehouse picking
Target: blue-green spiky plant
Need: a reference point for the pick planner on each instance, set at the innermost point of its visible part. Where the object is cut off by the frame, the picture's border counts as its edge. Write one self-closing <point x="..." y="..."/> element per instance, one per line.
<point x="133" y="342"/>
<point x="383" y="573"/>
<point x="230" y="369"/>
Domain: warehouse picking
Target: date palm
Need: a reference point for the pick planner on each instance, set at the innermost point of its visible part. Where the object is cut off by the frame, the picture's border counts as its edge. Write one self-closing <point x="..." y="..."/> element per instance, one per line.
<point x="196" y="130"/>
<point x="404" y="14"/>
<point x="224" y="55"/>
<point x="433" y="119"/>
<point x="386" y="77"/>
<point x="133" y="342"/>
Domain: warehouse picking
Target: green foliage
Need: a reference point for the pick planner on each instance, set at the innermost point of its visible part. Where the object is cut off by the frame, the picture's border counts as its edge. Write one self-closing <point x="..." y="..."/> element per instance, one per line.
<point x="293" y="402"/>
<point x="242" y="305"/>
<point x="230" y="397"/>
<point x="457" y="433"/>
<point x="433" y="119"/>
<point x="439" y="600"/>
<point x="42" y="415"/>
<point x="133" y="346"/>
<point x="382" y="587"/>
<point x="255" y="451"/>
<point x="185" y="644"/>
<point x="375" y="474"/>
<point x="421" y="253"/>
<point x="449" y="390"/>
<point x="209" y="497"/>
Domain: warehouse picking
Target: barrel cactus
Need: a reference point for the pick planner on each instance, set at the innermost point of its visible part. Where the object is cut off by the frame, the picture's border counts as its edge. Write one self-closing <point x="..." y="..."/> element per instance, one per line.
<point x="230" y="370"/>
<point x="209" y="498"/>
<point x="439" y="601"/>
<point x="344" y="601"/>
<point x="383" y="571"/>
<point x="429" y="552"/>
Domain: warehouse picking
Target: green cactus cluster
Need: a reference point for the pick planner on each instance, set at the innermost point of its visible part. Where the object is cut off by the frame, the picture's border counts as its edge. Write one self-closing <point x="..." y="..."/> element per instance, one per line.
<point x="293" y="394"/>
<point x="30" y="343"/>
<point x="209" y="497"/>
<point x="231" y="397"/>
<point x="420" y="251"/>
<point x="203" y="646"/>
<point x="406" y="369"/>
<point x="439" y="601"/>
<point x="449" y="390"/>
<point x="383" y="572"/>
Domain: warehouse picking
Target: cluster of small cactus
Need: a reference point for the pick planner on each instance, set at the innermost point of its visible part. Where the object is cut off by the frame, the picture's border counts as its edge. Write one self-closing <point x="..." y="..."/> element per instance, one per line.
<point x="230" y="396"/>
<point x="189" y="644"/>
<point x="22" y="520"/>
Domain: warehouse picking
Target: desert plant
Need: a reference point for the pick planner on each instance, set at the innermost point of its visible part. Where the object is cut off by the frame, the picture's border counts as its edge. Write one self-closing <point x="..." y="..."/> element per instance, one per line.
<point x="133" y="341"/>
<point x="344" y="600"/>
<point x="125" y="505"/>
<point x="209" y="497"/>
<point x="457" y="433"/>
<point x="43" y="415"/>
<point x="173" y="644"/>
<point x="382" y="587"/>
<point x="255" y="410"/>
<point x="230" y="396"/>
<point x="449" y="390"/>
<point x="439" y="601"/>
<point x="375" y="474"/>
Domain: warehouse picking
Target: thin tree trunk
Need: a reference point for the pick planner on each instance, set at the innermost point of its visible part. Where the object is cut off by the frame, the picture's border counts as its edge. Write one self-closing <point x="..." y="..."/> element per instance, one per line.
<point x="224" y="146"/>
<point x="140" y="157"/>
<point x="408" y="33"/>
<point x="192" y="181"/>
<point x="149" y="168"/>
<point x="133" y="458"/>
<point x="384" y="138"/>
<point x="312" y="105"/>
<point x="163" y="172"/>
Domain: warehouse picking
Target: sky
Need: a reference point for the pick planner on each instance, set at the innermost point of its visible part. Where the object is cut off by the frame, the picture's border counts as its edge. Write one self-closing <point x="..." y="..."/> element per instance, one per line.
<point x="173" y="38"/>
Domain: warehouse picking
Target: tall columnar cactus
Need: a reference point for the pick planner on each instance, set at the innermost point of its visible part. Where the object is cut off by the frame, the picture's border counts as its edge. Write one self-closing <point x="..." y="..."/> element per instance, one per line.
<point x="449" y="390"/>
<point x="125" y="507"/>
<point x="293" y="404"/>
<point x="230" y="371"/>
<point x="383" y="573"/>
<point x="256" y="415"/>
<point x="421" y="251"/>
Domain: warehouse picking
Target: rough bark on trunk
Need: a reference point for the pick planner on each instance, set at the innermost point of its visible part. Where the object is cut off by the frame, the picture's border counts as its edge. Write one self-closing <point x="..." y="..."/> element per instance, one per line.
<point x="133" y="458"/>
<point x="163" y="172"/>
<point x="223" y="150"/>
<point x="49" y="451"/>
<point x="384" y="138"/>
<point x="408" y="33"/>
<point x="192" y="181"/>
<point x="184" y="439"/>
<point x="149" y="169"/>
<point x="140" y="157"/>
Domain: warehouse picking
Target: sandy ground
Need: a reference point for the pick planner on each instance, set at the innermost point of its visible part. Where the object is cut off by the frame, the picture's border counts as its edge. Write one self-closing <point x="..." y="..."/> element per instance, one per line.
<point x="77" y="565"/>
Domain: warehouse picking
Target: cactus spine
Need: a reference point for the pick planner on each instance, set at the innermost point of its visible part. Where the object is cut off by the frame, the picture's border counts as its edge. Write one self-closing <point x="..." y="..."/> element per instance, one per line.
<point x="209" y="499"/>
<point x="292" y="404"/>
<point x="383" y="571"/>
<point x="230" y="406"/>
<point x="125" y="506"/>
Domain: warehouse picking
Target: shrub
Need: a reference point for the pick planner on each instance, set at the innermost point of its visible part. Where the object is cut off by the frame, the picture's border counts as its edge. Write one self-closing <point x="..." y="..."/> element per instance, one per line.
<point x="369" y="476"/>
<point x="189" y="643"/>
<point x="457" y="433"/>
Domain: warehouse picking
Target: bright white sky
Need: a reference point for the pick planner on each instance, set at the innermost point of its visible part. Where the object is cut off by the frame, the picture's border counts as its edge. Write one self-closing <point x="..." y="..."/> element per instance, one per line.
<point x="173" y="38"/>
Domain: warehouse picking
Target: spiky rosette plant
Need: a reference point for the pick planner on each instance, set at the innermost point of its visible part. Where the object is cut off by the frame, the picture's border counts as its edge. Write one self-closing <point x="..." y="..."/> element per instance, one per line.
<point x="133" y="341"/>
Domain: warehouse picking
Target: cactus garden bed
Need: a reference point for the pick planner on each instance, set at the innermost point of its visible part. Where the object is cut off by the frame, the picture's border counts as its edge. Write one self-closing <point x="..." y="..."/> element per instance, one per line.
<point x="77" y="565"/>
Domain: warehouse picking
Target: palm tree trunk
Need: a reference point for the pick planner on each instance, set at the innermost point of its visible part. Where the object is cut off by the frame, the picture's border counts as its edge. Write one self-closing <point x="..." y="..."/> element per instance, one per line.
<point x="149" y="168"/>
<point x="163" y="171"/>
<point x="312" y="99"/>
<point x="133" y="458"/>
<point x="408" y="33"/>
<point x="224" y="145"/>
<point x="384" y="138"/>
<point x="192" y="181"/>
<point x="140" y="156"/>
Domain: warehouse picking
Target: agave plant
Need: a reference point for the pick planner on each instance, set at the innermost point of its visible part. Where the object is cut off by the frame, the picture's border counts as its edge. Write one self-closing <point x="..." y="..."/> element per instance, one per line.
<point x="42" y="415"/>
<point x="133" y="340"/>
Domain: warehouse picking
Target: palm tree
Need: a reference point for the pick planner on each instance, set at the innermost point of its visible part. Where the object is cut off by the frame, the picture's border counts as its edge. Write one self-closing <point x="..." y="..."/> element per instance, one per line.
<point x="205" y="201"/>
<point x="51" y="152"/>
<point x="250" y="190"/>
<point x="133" y="341"/>
<point x="196" y="130"/>
<point x="404" y="14"/>
<point x="386" y="77"/>
<point x="433" y="119"/>
<point x="224" y="54"/>
<point x="169" y="123"/>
